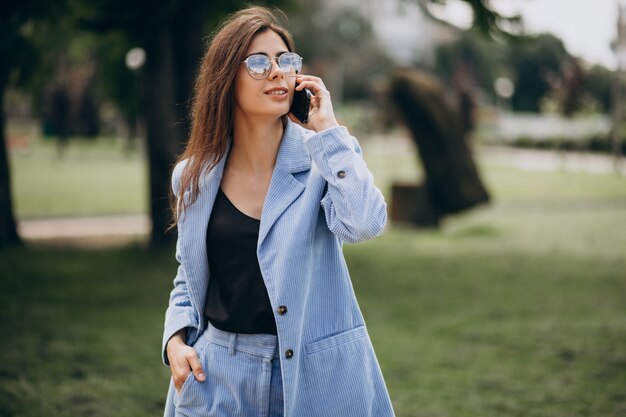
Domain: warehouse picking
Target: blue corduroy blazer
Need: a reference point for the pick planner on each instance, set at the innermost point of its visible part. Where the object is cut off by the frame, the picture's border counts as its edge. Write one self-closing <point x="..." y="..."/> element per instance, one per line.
<point x="321" y="195"/>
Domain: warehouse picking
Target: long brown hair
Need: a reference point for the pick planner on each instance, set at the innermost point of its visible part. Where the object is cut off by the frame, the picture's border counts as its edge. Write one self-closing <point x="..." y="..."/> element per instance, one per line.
<point x="213" y="99"/>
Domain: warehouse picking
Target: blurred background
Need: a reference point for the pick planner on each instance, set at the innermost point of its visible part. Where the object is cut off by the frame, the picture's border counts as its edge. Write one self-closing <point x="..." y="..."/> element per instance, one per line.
<point x="495" y="129"/>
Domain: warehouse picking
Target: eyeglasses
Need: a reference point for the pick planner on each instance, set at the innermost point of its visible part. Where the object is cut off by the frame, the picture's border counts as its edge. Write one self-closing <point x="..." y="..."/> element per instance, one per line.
<point x="260" y="66"/>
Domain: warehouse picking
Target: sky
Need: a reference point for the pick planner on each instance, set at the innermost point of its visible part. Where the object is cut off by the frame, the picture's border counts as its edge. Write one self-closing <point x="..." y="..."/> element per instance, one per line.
<point x="587" y="27"/>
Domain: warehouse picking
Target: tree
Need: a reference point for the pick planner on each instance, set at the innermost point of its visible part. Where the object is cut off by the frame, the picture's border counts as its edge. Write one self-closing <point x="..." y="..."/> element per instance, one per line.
<point x="536" y="60"/>
<point x="17" y="59"/>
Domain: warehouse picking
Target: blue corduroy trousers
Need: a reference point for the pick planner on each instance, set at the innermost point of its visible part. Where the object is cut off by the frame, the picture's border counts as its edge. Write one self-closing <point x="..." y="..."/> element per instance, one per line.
<point x="243" y="377"/>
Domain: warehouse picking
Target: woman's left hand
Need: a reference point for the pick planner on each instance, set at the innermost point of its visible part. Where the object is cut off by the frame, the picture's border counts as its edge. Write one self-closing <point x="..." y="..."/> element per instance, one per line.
<point x="321" y="114"/>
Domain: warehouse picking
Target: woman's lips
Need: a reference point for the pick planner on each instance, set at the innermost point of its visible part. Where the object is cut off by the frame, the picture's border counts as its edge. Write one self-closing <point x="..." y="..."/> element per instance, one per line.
<point x="277" y="93"/>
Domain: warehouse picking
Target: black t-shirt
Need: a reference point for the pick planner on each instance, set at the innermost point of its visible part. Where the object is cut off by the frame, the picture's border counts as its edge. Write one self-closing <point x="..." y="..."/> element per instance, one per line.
<point x="237" y="299"/>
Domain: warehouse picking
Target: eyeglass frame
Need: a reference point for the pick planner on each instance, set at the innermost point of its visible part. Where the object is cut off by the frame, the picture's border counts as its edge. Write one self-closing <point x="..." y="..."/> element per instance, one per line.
<point x="276" y="58"/>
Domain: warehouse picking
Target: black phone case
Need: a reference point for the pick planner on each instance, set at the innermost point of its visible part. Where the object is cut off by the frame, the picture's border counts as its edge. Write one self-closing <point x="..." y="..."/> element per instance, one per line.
<point x="301" y="104"/>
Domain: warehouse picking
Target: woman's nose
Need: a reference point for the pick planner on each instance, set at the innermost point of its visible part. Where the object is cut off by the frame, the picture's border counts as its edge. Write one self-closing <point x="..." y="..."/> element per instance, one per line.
<point x="276" y="70"/>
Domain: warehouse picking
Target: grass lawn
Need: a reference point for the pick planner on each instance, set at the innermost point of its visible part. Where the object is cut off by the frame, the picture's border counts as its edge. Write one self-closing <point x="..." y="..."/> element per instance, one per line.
<point x="514" y="309"/>
<point x="93" y="177"/>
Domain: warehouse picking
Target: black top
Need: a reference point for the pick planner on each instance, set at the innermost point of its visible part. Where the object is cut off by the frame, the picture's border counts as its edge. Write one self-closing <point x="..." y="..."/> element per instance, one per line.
<point x="237" y="299"/>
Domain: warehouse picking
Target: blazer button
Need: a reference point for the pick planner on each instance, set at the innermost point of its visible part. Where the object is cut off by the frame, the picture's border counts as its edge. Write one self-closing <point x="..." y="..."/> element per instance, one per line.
<point x="282" y="310"/>
<point x="341" y="174"/>
<point x="289" y="354"/>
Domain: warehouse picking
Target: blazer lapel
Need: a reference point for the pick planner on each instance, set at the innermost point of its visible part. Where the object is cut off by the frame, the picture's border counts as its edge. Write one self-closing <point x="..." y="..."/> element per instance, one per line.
<point x="292" y="157"/>
<point x="192" y="236"/>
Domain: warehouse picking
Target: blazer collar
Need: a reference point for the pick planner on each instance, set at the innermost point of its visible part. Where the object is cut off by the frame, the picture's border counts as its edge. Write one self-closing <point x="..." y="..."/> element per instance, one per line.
<point x="293" y="156"/>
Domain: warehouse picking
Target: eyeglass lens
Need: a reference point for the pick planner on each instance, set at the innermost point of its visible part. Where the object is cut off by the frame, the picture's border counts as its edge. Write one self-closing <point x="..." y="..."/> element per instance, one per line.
<point x="260" y="65"/>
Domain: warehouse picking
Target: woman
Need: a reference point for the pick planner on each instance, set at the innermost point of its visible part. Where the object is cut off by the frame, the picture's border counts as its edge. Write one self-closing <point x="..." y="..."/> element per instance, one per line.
<point x="263" y="320"/>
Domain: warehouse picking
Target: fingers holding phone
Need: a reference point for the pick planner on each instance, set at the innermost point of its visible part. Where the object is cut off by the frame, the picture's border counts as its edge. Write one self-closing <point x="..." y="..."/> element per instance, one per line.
<point x="321" y="115"/>
<point x="301" y="105"/>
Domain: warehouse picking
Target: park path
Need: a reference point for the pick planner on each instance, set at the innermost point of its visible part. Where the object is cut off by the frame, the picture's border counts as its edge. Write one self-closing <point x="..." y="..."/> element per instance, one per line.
<point x="105" y="228"/>
<point x="137" y="227"/>
<point x="549" y="160"/>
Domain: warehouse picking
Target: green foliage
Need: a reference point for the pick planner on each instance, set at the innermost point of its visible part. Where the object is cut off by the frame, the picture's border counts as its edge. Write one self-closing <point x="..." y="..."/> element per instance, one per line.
<point x="534" y="59"/>
<point x="540" y="67"/>
<point x="339" y="45"/>
<point x="476" y="56"/>
<point x="56" y="40"/>
<point x="115" y="81"/>
<point x="68" y="64"/>
<point x="18" y="57"/>
<point x="598" y="84"/>
<point x="593" y="143"/>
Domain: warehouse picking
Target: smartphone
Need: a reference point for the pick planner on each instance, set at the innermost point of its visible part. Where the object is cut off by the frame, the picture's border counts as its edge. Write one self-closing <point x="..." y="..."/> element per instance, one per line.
<point x="301" y="104"/>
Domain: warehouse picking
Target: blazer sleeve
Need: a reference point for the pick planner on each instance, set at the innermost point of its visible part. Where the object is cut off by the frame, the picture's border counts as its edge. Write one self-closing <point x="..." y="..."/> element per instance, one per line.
<point x="354" y="207"/>
<point x="180" y="312"/>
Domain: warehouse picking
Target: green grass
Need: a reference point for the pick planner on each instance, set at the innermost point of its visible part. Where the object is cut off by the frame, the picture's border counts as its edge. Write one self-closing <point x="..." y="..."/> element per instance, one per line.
<point x="93" y="177"/>
<point x="513" y="309"/>
<point x="480" y="320"/>
<point x="80" y="332"/>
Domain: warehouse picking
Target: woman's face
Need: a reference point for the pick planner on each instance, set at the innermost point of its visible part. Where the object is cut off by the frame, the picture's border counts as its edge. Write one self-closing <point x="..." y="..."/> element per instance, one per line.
<point x="272" y="95"/>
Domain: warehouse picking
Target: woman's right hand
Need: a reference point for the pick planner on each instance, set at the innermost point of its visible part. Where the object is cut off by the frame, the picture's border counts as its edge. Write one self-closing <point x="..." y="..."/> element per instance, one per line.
<point x="183" y="360"/>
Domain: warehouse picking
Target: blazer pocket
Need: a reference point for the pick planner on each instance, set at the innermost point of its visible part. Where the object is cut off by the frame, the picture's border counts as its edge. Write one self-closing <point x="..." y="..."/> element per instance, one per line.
<point x="336" y="340"/>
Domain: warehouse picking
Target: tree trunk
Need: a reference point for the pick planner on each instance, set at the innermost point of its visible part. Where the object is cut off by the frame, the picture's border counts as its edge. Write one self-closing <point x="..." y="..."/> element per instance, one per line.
<point x="163" y="129"/>
<point x="452" y="181"/>
<point x="411" y="203"/>
<point x="172" y="53"/>
<point x="8" y="228"/>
